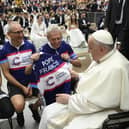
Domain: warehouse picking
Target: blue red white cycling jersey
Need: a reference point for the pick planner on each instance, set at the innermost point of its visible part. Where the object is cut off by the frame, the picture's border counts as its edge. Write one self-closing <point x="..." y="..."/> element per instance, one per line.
<point x="18" y="59"/>
<point x="52" y="76"/>
<point x="64" y="48"/>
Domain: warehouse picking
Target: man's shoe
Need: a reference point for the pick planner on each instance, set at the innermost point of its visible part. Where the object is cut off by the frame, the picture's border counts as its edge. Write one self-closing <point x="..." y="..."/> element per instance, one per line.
<point x="35" y="113"/>
<point x="20" y="119"/>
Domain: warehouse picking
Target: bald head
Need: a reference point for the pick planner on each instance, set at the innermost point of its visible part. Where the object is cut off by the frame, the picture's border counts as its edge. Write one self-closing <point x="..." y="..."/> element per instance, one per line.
<point x="13" y="25"/>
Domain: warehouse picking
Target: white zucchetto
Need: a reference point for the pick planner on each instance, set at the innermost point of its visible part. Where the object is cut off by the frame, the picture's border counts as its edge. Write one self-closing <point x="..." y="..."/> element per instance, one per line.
<point x="103" y="36"/>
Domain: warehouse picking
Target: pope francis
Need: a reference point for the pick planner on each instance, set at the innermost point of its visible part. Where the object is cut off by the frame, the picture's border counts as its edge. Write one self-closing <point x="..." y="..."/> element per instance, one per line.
<point x="102" y="89"/>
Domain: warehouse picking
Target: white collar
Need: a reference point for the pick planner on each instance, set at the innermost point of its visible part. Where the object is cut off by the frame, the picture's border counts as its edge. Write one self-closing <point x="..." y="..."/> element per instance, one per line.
<point x="51" y="45"/>
<point x="107" y="55"/>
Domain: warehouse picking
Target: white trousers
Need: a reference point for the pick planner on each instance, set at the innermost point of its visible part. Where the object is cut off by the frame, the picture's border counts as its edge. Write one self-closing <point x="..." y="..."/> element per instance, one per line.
<point x="54" y="111"/>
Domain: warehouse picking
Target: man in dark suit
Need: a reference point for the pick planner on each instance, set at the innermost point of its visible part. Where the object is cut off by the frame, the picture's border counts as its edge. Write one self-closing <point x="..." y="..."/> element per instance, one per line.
<point x="59" y="18"/>
<point x="117" y="22"/>
<point x="25" y="19"/>
<point x="1" y="34"/>
<point x="84" y="25"/>
<point x="18" y="16"/>
<point x="47" y="20"/>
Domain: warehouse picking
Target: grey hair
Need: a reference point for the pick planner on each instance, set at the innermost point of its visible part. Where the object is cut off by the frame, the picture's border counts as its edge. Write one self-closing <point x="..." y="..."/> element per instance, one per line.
<point x="52" y="28"/>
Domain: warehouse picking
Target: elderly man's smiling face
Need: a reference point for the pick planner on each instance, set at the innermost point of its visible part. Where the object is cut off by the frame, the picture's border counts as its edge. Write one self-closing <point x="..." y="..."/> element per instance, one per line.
<point x="55" y="38"/>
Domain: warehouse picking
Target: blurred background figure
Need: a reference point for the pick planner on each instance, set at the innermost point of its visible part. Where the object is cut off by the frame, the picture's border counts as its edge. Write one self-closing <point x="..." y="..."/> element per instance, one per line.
<point x="5" y="28"/>
<point x="76" y="36"/>
<point x="37" y="34"/>
<point x="117" y="23"/>
<point x="84" y="25"/>
<point x="59" y="17"/>
<point x="1" y="32"/>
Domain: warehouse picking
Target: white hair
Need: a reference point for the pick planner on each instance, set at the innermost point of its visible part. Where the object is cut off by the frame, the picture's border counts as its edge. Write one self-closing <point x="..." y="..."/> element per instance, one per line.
<point x="53" y="27"/>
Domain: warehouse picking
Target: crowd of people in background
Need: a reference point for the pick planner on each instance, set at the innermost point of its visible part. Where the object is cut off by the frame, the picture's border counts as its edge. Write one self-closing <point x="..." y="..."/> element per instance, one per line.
<point x="47" y="5"/>
<point x="36" y="16"/>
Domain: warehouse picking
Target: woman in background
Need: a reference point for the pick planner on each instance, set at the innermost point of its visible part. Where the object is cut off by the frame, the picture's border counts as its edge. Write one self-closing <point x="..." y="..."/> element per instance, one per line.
<point x="76" y="36"/>
<point x="37" y="34"/>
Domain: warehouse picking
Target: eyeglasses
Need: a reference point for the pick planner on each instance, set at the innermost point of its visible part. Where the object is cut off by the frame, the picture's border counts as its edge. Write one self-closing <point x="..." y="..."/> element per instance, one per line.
<point x="17" y="32"/>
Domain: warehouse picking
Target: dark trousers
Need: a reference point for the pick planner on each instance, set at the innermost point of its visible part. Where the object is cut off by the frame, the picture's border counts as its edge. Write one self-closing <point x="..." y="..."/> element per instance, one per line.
<point x="117" y="33"/>
<point x="124" y="49"/>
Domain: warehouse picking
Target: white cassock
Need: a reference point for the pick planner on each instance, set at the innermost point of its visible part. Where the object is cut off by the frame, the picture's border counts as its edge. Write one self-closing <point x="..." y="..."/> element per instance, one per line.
<point x="102" y="90"/>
